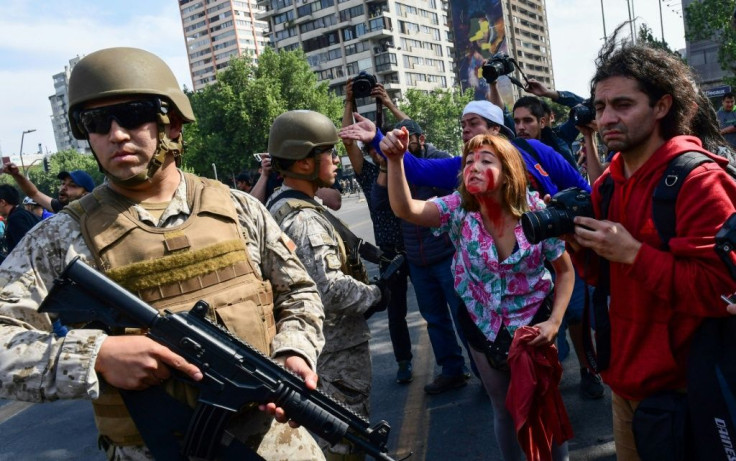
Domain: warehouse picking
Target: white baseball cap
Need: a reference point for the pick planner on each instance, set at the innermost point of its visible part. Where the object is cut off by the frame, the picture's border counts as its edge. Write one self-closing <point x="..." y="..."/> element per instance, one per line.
<point x="490" y="111"/>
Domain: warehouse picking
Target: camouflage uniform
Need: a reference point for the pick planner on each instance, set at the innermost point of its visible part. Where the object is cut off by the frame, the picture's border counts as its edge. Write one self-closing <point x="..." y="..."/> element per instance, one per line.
<point x="36" y="366"/>
<point x="344" y="367"/>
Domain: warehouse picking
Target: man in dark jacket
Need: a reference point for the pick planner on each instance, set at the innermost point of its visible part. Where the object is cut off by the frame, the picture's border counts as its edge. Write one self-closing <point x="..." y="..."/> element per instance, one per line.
<point x="18" y="220"/>
<point x="429" y="260"/>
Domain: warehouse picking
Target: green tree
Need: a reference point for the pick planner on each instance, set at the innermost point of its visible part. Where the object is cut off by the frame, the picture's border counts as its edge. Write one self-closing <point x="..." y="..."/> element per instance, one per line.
<point x="438" y="112"/>
<point x="711" y="19"/>
<point x="66" y="160"/>
<point x="646" y="36"/>
<point x="235" y="113"/>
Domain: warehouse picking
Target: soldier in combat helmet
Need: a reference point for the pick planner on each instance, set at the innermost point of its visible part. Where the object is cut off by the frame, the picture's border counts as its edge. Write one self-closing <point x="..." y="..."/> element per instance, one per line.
<point x="169" y="237"/>
<point x="302" y="147"/>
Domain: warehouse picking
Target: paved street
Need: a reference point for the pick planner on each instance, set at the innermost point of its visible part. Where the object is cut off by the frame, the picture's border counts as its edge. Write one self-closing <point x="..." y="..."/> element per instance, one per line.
<point x="456" y="425"/>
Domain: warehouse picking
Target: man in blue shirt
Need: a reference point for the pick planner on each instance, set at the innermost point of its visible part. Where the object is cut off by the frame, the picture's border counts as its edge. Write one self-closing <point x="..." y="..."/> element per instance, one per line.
<point x="727" y="118"/>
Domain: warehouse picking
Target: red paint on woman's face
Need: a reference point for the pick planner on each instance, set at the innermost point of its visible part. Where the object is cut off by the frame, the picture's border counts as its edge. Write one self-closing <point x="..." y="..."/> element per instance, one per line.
<point x="482" y="178"/>
<point x="482" y="171"/>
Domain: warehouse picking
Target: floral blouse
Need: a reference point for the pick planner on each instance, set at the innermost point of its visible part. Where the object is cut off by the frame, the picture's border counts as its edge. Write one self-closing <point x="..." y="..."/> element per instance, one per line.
<point x="496" y="292"/>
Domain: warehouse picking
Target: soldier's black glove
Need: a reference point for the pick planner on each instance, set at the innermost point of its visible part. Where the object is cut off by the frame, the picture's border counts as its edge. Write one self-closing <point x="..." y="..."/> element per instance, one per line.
<point x="382" y="304"/>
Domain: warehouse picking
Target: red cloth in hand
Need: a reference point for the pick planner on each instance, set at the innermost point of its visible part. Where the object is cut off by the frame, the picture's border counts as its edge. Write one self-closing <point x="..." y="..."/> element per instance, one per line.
<point x="534" y="399"/>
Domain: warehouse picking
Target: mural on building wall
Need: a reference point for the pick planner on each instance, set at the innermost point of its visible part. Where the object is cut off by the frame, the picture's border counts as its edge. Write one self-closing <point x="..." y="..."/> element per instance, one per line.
<point x="479" y="31"/>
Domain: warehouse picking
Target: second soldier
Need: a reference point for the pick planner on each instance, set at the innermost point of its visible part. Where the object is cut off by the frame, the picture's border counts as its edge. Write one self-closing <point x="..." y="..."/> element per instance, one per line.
<point x="302" y="147"/>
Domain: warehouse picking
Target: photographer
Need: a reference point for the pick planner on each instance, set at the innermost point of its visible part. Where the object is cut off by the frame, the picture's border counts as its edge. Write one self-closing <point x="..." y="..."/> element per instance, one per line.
<point x="645" y="104"/>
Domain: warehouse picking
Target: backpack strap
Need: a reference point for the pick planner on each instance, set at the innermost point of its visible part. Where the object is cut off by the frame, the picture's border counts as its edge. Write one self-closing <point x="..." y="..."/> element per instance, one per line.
<point x="524" y="144"/>
<point x="665" y="194"/>
<point x="599" y="357"/>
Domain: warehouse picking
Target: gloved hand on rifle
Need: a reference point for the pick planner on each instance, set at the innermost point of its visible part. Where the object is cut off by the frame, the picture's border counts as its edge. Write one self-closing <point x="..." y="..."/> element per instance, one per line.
<point x="384" y="282"/>
<point x="382" y="304"/>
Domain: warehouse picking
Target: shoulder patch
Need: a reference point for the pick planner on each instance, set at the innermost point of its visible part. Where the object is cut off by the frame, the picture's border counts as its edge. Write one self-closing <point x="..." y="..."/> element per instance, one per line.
<point x="333" y="262"/>
<point x="288" y="243"/>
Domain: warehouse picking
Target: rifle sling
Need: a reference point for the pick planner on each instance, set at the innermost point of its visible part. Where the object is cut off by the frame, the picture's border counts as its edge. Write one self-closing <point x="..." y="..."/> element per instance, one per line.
<point x="162" y="420"/>
<point x="368" y="251"/>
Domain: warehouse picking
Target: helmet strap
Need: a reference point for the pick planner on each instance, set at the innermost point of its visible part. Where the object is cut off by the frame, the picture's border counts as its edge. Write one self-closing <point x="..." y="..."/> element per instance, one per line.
<point x="313" y="177"/>
<point x="164" y="146"/>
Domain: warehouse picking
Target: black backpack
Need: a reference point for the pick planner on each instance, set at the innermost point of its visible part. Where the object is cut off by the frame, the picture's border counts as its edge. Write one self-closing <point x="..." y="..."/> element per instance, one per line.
<point x="711" y="395"/>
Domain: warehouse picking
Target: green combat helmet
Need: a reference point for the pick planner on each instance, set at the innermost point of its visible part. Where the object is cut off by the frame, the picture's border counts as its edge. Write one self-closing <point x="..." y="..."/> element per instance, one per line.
<point x="125" y="72"/>
<point x="294" y="135"/>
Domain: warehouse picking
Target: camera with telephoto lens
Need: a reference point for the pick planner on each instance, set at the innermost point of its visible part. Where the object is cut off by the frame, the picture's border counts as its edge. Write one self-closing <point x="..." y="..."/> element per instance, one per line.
<point x="583" y="113"/>
<point x="499" y="64"/>
<point x="557" y="218"/>
<point x="363" y="85"/>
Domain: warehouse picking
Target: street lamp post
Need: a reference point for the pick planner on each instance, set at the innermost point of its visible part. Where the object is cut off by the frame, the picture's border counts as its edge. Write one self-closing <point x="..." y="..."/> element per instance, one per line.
<point x="25" y="173"/>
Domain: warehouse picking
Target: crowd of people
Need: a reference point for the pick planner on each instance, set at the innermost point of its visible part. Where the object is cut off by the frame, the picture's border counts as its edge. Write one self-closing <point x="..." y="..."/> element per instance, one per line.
<point x="280" y="271"/>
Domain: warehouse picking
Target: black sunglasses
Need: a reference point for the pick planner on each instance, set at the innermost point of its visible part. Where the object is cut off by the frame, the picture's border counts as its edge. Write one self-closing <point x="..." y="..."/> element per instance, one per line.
<point x="323" y="150"/>
<point x="128" y="115"/>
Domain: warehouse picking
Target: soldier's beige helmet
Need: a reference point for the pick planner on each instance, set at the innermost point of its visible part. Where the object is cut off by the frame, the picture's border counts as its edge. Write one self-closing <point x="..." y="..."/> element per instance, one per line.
<point x="120" y="72"/>
<point x="295" y="133"/>
<point x="125" y="72"/>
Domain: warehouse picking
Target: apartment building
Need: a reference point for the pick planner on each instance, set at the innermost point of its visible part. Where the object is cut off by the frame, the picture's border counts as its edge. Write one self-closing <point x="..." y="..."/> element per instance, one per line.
<point x="405" y="44"/>
<point x="59" y="107"/>
<point x="529" y="34"/>
<point x="216" y="30"/>
<point x="702" y="56"/>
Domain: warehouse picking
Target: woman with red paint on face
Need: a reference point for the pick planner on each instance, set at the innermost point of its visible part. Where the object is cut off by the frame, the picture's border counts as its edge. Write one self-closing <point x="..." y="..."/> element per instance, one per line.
<point x="500" y="276"/>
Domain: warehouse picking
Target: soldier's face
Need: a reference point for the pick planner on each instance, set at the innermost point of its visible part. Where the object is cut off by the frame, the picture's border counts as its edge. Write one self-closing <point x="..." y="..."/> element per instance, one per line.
<point x="126" y="152"/>
<point x="328" y="161"/>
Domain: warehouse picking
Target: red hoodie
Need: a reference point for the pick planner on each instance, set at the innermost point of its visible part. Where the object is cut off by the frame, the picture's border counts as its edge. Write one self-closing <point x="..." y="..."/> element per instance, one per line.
<point x="658" y="301"/>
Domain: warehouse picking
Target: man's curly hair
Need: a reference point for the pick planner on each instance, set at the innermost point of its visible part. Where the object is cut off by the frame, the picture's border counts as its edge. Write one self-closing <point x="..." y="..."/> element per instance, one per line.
<point x="657" y="72"/>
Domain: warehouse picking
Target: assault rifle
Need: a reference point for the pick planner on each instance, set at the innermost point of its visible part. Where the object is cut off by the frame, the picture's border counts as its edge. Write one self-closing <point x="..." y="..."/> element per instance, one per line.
<point x="235" y="374"/>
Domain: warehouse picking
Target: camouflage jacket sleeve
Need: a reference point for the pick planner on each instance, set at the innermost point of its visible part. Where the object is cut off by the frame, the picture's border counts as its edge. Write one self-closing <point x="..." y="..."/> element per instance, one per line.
<point x="35" y="364"/>
<point x="317" y="247"/>
<point x="297" y="305"/>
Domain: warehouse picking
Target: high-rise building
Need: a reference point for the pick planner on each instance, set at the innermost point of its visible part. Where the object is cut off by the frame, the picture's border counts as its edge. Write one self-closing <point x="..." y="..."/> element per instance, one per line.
<point x="517" y="28"/>
<point x="529" y="33"/>
<point x="702" y="56"/>
<point x="216" y="30"/>
<point x="59" y="107"/>
<point x="403" y="44"/>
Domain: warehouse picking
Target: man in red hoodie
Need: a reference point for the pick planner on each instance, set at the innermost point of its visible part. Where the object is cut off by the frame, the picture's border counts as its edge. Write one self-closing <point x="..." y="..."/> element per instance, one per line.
<point x="645" y="100"/>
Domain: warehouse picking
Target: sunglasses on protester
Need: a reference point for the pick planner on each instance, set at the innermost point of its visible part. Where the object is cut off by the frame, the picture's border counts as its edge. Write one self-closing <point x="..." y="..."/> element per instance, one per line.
<point x="128" y="115"/>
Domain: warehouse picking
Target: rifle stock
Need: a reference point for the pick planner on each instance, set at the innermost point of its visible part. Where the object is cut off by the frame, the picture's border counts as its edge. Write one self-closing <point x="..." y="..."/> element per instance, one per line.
<point x="235" y="373"/>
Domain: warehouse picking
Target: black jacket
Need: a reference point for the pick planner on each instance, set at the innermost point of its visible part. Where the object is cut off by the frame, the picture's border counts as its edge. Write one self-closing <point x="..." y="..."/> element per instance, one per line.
<point x="18" y="222"/>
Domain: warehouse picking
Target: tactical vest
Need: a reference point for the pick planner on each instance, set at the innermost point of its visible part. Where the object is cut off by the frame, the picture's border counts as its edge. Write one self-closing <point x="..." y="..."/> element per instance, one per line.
<point x="354" y="268"/>
<point x="171" y="268"/>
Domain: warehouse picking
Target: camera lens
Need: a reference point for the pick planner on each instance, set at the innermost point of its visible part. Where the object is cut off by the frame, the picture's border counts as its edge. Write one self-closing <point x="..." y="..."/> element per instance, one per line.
<point x="543" y="224"/>
<point x="361" y="88"/>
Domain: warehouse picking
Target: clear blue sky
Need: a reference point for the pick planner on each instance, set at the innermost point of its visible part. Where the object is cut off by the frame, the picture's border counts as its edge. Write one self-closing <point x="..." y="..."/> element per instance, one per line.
<point x="39" y="37"/>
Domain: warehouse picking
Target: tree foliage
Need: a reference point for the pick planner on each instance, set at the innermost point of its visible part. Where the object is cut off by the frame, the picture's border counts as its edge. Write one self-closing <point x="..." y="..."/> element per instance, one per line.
<point x="438" y="112"/>
<point x="712" y="20"/>
<point x="646" y="36"/>
<point x="235" y="113"/>
<point x="65" y="160"/>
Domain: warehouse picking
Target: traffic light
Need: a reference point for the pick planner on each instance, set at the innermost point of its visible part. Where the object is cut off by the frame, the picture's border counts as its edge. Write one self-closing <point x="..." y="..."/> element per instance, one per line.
<point x="46" y="164"/>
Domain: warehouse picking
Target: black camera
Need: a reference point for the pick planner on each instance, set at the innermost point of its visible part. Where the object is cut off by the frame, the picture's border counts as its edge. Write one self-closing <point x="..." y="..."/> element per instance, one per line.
<point x="583" y="113"/>
<point x="557" y="218"/>
<point x="499" y="64"/>
<point x="363" y="84"/>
